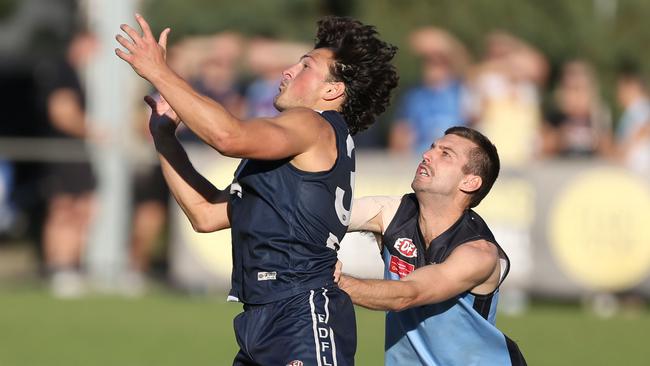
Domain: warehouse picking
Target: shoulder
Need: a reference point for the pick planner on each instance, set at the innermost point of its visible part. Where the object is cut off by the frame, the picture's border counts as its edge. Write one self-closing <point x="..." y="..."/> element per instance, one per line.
<point x="301" y="119"/>
<point x="402" y="210"/>
<point x="409" y="202"/>
<point x="477" y="226"/>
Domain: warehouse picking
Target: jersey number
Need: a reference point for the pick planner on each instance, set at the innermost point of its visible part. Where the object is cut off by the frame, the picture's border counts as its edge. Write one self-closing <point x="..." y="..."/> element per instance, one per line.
<point x="341" y="212"/>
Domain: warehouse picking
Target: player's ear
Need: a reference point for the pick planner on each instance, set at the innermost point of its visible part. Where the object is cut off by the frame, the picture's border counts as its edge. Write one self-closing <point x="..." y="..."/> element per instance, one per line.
<point x="334" y="90"/>
<point x="471" y="183"/>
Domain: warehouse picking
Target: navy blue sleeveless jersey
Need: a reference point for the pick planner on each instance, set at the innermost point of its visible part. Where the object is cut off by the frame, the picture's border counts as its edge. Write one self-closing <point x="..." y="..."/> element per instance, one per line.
<point x="287" y="224"/>
<point x="459" y="331"/>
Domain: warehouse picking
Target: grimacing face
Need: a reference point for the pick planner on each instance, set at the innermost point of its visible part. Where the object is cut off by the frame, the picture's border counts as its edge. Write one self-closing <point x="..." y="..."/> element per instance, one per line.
<point x="304" y="82"/>
<point x="441" y="168"/>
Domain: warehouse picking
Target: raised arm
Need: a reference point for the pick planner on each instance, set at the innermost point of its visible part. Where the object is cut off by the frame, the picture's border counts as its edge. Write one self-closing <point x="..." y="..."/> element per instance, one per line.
<point x="204" y="205"/>
<point x="287" y="135"/>
<point x="470" y="266"/>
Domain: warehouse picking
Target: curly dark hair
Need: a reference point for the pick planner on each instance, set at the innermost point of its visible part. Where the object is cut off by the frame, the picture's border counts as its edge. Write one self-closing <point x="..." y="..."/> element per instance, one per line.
<point x="363" y="63"/>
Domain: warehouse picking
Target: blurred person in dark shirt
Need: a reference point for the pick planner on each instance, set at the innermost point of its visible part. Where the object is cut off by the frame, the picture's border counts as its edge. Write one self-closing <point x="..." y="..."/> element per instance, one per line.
<point x="67" y="186"/>
<point x="580" y="125"/>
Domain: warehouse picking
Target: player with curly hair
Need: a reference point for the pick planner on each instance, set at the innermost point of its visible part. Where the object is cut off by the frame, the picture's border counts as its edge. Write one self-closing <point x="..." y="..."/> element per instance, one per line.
<point x="289" y="204"/>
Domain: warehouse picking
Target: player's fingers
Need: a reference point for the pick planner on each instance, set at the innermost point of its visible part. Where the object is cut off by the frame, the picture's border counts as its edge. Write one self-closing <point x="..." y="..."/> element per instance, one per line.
<point x="338" y="268"/>
<point x="150" y="101"/>
<point x="146" y="30"/>
<point x="163" y="38"/>
<point x="135" y="36"/>
<point x="124" y="56"/>
<point x="125" y="43"/>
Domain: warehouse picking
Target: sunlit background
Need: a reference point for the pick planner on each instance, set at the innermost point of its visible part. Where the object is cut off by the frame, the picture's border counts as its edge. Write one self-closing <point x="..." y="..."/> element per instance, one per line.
<point x="99" y="267"/>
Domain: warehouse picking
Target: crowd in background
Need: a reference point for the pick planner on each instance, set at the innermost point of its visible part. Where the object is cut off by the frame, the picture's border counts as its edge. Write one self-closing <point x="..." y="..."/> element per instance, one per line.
<point x="507" y="93"/>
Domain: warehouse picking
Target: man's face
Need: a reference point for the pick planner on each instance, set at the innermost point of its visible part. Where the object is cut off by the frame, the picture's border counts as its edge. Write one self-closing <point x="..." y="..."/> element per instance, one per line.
<point x="441" y="169"/>
<point x="303" y="83"/>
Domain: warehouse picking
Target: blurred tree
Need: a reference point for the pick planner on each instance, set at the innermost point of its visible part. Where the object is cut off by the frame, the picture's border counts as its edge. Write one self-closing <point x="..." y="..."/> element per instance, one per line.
<point x="7" y="8"/>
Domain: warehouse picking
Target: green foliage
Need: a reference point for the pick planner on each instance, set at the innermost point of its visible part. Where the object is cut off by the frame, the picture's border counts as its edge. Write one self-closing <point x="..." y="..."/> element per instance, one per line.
<point x="602" y="31"/>
<point x="7" y="8"/>
<point x="282" y="18"/>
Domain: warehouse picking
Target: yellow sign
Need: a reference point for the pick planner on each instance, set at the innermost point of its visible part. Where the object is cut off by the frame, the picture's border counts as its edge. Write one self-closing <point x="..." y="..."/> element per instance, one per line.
<point x="599" y="229"/>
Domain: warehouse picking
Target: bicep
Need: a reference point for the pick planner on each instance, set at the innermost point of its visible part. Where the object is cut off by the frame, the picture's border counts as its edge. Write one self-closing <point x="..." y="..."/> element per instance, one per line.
<point x="287" y="135"/>
<point x="468" y="266"/>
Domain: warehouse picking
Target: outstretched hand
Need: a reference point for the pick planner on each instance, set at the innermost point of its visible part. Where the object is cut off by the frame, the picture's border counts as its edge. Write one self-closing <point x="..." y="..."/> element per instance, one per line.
<point x="145" y="55"/>
<point x="163" y="118"/>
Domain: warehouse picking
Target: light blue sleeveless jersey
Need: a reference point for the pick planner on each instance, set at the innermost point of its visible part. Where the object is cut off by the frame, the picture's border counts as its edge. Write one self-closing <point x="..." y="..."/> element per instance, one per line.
<point x="460" y="331"/>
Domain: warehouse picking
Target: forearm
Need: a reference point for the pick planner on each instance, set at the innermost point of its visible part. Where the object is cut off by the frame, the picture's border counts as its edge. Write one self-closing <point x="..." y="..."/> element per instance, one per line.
<point x="209" y="120"/>
<point x="378" y="294"/>
<point x="203" y="204"/>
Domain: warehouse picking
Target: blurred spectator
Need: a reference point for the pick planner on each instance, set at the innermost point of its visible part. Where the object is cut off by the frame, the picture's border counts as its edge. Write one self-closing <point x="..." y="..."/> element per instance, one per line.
<point x="216" y="72"/>
<point x="266" y="58"/>
<point x="150" y="193"/>
<point x="633" y="132"/>
<point x="68" y="186"/>
<point x="580" y="125"/>
<point x="440" y="101"/>
<point x="185" y="56"/>
<point x="150" y="207"/>
<point x="507" y="83"/>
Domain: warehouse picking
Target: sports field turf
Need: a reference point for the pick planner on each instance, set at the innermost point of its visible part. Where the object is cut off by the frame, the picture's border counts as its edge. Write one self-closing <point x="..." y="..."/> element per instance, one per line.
<point x="171" y="329"/>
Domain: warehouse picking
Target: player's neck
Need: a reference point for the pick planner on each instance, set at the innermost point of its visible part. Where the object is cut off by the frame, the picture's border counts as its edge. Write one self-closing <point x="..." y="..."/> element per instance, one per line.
<point x="436" y="216"/>
<point x="324" y="105"/>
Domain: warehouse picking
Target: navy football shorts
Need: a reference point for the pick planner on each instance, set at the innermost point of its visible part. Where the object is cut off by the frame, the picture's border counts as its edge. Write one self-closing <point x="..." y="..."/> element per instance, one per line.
<point x="316" y="328"/>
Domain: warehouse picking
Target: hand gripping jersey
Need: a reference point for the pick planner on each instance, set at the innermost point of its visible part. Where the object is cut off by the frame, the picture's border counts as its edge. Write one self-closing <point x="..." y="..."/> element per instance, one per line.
<point x="460" y="331"/>
<point x="287" y="224"/>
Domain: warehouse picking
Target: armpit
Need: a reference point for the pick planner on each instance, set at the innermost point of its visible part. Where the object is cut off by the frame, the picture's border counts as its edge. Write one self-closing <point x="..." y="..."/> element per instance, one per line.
<point x="373" y="213"/>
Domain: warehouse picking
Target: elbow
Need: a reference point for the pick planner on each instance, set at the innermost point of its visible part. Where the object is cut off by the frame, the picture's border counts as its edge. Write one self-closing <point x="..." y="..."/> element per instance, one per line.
<point x="226" y="141"/>
<point x="223" y="143"/>
<point x="209" y="224"/>
<point x="201" y="228"/>
<point x="201" y="224"/>
<point x="401" y="304"/>
<point x="209" y="217"/>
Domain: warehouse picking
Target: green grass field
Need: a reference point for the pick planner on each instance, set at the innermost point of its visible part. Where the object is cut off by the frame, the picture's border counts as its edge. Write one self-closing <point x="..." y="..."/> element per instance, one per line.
<point x="170" y="329"/>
